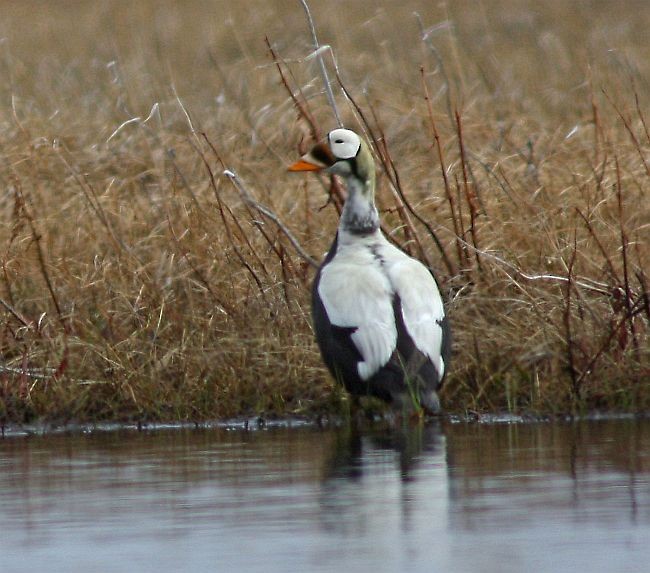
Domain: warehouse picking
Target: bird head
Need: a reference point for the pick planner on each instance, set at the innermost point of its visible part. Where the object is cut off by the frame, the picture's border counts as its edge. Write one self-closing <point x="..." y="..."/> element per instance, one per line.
<point x="342" y="152"/>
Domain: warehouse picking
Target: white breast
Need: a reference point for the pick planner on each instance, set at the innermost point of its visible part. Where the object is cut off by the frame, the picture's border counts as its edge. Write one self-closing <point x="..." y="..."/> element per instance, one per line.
<point x="357" y="289"/>
<point x="356" y="293"/>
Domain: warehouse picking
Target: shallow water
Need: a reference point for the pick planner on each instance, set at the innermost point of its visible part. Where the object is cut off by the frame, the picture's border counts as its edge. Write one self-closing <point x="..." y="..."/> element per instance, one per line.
<point x="458" y="498"/>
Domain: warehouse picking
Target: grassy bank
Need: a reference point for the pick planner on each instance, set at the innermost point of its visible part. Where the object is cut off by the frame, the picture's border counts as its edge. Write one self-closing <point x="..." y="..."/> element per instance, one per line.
<point x="137" y="282"/>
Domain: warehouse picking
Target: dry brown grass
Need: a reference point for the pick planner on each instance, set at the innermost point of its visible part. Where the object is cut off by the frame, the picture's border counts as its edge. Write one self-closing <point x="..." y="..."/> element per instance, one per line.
<point x="136" y="283"/>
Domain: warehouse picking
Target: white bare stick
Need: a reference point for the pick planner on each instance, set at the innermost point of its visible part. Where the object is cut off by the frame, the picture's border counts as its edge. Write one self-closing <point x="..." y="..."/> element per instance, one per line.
<point x="586" y="283"/>
<point x="123" y="125"/>
<point x="247" y="196"/>
<point x="185" y="112"/>
<point x="155" y="110"/>
<point x="40" y="373"/>
<point x="44" y="374"/>
<point x="321" y="64"/>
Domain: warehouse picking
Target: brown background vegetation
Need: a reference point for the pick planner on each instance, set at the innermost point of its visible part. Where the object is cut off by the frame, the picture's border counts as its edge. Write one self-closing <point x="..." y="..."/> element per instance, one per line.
<point x="138" y="282"/>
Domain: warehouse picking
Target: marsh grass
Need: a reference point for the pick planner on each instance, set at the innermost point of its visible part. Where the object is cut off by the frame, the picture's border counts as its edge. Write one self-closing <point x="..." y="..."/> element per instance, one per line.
<point x="140" y="282"/>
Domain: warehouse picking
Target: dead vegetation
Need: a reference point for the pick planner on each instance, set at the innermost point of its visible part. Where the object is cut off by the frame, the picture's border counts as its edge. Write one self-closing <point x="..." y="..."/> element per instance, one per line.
<point x="155" y="258"/>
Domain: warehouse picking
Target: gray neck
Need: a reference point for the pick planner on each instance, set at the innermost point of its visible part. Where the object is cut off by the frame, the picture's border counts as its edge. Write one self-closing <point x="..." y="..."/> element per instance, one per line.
<point x="360" y="216"/>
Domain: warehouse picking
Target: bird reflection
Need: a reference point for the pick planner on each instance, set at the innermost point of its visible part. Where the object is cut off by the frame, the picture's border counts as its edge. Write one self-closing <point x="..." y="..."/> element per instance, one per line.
<point x="409" y="444"/>
<point x="376" y="477"/>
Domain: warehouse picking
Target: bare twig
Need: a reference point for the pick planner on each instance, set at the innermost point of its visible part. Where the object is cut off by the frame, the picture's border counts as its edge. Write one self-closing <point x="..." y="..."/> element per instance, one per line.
<point x="43" y="266"/>
<point x="269" y="214"/>
<point x="90" y="195"/>
<point x="336" y="196"/>
<point x="426" y="39"/>
<point x="223" y="306"/>
<point x="630" y="131"/>
<point x="19" y="317"/>
<point x="605" y="345"/>
<point x="470" y="195"/>
<point x="410" y="233"/>
<point x="46" y="374"/>
<point x="223" y="208"/>
<point x="575" y="386"/>
<point x="610" y="266"/>
<point x="445" y="179"/>
<point x="592" y="286"/>
<point x="390" y="173"/>
<point x="321" y="63"/>
<point x="301" y="106"/>
<point x="624" y="255"/>
<point x="641" y="116"/>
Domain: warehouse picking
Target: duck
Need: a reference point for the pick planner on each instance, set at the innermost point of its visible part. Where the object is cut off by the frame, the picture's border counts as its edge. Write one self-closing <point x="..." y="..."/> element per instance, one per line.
<point x="377" y="313"/>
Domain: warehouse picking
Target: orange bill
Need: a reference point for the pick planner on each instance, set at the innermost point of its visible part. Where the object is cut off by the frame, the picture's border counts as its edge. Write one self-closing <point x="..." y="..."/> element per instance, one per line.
<point x="302" y="165"/>
<point x="320" y="157"/>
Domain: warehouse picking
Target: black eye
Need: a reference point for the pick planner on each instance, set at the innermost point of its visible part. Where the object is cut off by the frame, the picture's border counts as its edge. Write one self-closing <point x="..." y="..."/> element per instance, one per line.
<point x="339" y="141"/>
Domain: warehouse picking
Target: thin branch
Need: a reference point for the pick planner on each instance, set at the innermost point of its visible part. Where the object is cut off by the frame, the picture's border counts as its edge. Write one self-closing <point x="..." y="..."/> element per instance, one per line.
<point x="269" y="214"/>
<point x="593" y="286"/>
<point x="301" y="106"/>
<point x="223" y="306"/>
<point x="19" y="317"/>
<point x="630" y="131"/>
<point x="445" y="179"/>
<point x="43" y="265"/>
<point x="624" y="255"/>
<point x="601" y="248"/>
<point x="46" y="374"/>
<point x="336" y="196"/>
<point x="441" y="66"/>
<point x="321" y="63"/>
<point x="575" y="386"/>
<point x="389" y="173"/>
<point x="470" y="195"/>
<point x="603" y="348"/>
<point x="223" y="208"/>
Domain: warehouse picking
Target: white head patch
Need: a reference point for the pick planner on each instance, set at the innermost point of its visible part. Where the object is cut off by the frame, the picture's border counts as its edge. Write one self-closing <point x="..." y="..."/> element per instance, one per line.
<point x="344" y="143"/>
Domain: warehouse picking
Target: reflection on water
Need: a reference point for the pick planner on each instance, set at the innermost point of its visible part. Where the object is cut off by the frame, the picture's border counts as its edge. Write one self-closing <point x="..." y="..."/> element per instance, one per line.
<point x="458" y="498"/>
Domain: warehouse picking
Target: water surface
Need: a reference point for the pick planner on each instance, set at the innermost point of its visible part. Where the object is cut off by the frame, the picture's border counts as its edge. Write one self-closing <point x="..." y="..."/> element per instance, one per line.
<point x="453" y="498"/>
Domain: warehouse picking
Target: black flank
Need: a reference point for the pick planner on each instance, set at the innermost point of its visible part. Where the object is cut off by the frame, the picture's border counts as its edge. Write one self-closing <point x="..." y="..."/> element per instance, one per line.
<point x="405" y="344"/>
<point x="446" y="343"/>
<point x="339" y="352"/>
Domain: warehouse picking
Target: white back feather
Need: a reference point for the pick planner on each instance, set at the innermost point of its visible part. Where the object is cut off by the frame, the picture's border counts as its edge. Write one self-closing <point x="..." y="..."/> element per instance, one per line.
<point x="421" y="305"/>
